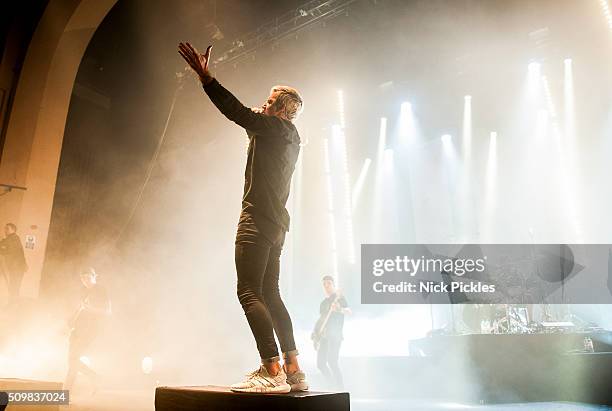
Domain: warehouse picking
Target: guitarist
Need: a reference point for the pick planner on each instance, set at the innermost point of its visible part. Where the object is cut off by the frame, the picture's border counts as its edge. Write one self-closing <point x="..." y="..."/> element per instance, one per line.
<point x="85" y="326"/>
<point x="327" y="334"/>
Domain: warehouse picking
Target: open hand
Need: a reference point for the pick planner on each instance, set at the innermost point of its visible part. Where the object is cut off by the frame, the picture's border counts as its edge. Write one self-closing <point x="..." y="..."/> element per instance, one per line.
<point x="197" y="61"/>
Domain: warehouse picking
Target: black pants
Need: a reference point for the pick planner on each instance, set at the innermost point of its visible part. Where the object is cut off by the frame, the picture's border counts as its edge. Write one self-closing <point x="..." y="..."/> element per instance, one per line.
<point x="80" y="339"/>
<point x="258" y="249"/>
<point x="327" y="360"/>
<point x="15" y="279"/>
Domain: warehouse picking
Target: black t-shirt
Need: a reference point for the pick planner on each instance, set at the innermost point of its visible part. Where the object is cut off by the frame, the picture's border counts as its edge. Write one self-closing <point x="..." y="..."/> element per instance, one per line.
<point x="274" y="145"/>
<point x="95" y="297"/>
<point x="14" y="257"/>
<point x="335" y="324"/>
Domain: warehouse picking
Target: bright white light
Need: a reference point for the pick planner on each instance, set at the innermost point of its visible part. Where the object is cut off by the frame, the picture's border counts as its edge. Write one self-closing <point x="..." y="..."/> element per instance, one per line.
<point x="147" y="365"/>
<point x="85" y="360"/>
<point x="492" y="161"/>
<point x="379" y="182"/>
<point x="550" y="104"/>
<point x="340" y="143"/>
<point x="534" y="68"/>
<point x="467" y="128"/>
<point x="330" y="210"/>
<point x="605" y="7"/>
<point x="534" y="79"/>
<point x="360" y="180"/>
<point x="407" y="130"/>
<point x="534" y="85"/>
<point x="568" y="100"/>
<point x="570" y="188"/>
<point x="405" y="108"/>
<point x="382" y="136"/>
<point x="490" y="188"/>
<point x="380" y="336"/>
<point x="388" y="160"/>
<point x="447" y="139"/>
<point x="341" y="108"/>
<point x="465" y="190"/>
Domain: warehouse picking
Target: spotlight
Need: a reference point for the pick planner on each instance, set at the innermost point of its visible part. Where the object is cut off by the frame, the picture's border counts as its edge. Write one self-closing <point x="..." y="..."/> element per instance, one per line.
<point x="568" y="100"/>
<point x="330" y="207"/>
<point x="147" y="365"/>
<point x="85" y="360"/>
<point x="360" y="180"/>
<point x="606" y="11"/>
<point x="467" y="128"/>
<point x="549" y="100"/>
<point x="341" y="109"/>
<point x="490" y="188"/>
<point x="407" y="124"/>
<point x="534" y="67"/>
<point x="405" y="107"/>
<point x="382" y="138"/>
<point x="388" y="163"/>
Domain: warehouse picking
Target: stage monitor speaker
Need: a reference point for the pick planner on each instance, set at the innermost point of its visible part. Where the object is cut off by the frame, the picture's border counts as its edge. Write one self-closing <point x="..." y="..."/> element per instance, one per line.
<point x="212" y="398"/>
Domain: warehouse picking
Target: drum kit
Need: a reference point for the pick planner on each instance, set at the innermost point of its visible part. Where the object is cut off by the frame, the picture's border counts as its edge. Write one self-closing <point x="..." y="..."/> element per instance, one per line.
<point x="504" y="318"/>
<point x="518" y="281"/>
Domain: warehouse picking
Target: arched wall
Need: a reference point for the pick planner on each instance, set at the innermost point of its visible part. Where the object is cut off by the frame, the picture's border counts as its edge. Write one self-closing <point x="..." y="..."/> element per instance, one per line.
<point x="38" y="118"/>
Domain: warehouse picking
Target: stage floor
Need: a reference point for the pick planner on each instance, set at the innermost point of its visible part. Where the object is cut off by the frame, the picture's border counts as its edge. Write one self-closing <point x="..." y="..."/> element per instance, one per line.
<point x="436" y="405"/>
<point x="143" y="400"/>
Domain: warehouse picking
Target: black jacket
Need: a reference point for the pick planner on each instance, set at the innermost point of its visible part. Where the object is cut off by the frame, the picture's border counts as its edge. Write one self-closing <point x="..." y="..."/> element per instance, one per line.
<point x="273" y="151"/>
<point x="12" y="250"/>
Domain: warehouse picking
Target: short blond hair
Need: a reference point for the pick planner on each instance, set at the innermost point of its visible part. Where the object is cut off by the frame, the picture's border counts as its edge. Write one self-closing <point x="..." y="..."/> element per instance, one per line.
<point x="288" y="102"/>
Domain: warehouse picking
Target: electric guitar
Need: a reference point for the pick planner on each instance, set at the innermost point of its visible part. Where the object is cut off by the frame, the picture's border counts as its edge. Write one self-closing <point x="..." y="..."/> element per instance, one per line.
<point x="319" y="331"/>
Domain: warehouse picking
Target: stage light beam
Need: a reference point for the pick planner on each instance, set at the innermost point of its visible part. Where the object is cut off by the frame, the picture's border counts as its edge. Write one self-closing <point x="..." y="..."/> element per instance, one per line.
<point x="568" y="100"/>
<point x="534" y="80"/>
<point x="340" y="140"/>
<point x="467" y="128"/>
<point x="147" y="365"/>
<point x="341" y="109"/>
<point x="447" y="146"/>
<point x="407" y="124"/>
<point x="490" y="188"/>
<point x="330" y="211"/>
<point x="360" y="181"/>
<point x="379" y="183"/>
<point x="85" y="360"/>
<point x="605" y="8"/>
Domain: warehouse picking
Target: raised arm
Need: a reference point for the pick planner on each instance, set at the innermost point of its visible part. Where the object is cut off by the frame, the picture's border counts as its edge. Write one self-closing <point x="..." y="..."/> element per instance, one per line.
<point x="225" y="101"/>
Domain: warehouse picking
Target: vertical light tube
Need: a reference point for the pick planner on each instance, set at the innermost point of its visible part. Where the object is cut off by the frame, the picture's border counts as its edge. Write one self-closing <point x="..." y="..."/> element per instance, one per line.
<point x="568" y="100"/>
<point x="379" y="180"/>
<point x="330" y="211"/>
<point x="490" y="187"/>
<point x="467" y="128"/>
<point x="465" y="194"/>
<point x="605" y="8"/>
<point x="360" y="181"/>
<point x="341" y="109"/>
<point x="340" y="140"/>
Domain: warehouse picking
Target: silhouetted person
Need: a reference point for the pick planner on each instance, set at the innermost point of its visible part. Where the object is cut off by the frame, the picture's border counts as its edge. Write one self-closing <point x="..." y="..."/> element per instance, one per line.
<point x="327" y="334"/>
<point x="14" y="260"/>
<point x="85" y="326"/>
<point x="274" y="145"/>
